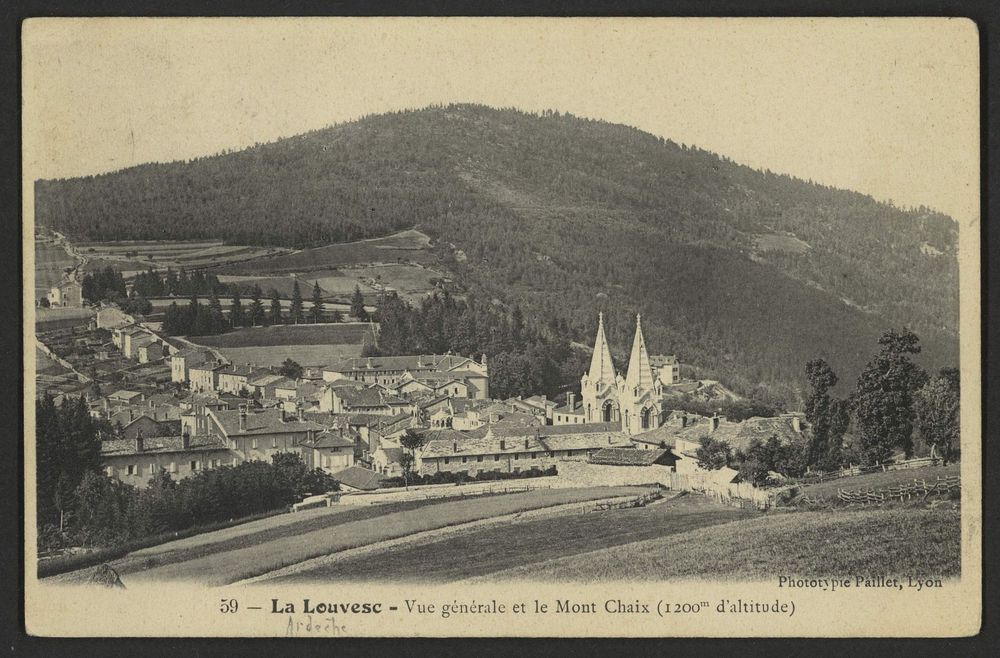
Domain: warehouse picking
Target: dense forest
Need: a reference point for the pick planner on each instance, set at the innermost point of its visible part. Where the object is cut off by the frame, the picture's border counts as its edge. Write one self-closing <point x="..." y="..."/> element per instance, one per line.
<point x="524" y="360"/>
<point x="565" y="216"/>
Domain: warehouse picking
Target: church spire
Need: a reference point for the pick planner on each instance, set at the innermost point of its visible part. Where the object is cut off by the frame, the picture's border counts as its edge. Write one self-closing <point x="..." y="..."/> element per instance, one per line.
<point x="640" y="372"/>
<point x="601" y="368"/>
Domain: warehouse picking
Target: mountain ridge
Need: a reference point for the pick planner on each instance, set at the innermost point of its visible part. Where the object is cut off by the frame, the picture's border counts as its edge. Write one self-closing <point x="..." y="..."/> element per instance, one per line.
<point x="565" y="216"/>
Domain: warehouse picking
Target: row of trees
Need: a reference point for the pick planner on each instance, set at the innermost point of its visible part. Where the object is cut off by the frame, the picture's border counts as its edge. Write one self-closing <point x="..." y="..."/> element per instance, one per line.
<point x="896" y="407"/>
<point x="200" y="320"/>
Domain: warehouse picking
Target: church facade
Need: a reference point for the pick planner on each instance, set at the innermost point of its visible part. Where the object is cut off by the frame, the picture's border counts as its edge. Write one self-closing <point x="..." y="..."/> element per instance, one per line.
<point x="635" y="400"/>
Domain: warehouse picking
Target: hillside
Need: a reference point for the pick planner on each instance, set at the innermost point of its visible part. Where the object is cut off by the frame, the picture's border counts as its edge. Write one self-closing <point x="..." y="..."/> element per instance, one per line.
<point x="745" y="274"/>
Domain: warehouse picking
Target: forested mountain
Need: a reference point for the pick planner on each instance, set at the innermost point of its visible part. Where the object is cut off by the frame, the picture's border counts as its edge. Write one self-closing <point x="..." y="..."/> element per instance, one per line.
<point x="746" y="274"/>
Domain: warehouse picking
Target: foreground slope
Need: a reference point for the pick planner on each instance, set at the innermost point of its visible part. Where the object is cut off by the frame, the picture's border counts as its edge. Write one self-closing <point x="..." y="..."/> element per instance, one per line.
<point x="745" y="273"/>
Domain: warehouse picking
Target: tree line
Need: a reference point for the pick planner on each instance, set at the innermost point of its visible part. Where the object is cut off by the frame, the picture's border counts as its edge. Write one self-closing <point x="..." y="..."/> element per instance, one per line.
<point x="196" y="319"/>
<point x="895" y="407"/>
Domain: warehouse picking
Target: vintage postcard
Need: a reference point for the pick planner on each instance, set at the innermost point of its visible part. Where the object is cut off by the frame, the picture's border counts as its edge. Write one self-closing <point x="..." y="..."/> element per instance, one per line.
<point x="346" y="327"/>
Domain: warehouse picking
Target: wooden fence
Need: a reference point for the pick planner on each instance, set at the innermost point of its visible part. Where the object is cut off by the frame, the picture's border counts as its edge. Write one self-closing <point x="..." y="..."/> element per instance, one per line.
<point x="901" y="492"/>
<point x="738" y="494"/>
<point x="918" y="462"/>
<point x="637" y="501"/>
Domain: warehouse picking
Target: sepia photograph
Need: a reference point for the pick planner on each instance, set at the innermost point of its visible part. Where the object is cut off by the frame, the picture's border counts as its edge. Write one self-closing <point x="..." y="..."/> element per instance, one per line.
<point x="501" y="327"/>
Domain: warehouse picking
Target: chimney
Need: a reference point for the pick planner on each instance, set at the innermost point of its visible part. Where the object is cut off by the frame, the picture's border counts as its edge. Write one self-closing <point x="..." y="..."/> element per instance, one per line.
<point x="526" y="442"/>
<point x="185" y="440"/>
<point x="503" y="444"/>
<point x="571" y="400"/>
<point x="298" y="411"/>
<point x="138" y="441"/>
<point x="454" y="446"/>
<point x="283" y="418"/>
<point x="684" y="421"/>
<point x="796" y="424"/>
<point x="243" y="418"/>
<point x="715" y="422"/>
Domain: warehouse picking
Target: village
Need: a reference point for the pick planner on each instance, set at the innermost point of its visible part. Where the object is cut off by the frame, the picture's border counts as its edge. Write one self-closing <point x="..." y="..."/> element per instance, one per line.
<point x="183" y="408"/>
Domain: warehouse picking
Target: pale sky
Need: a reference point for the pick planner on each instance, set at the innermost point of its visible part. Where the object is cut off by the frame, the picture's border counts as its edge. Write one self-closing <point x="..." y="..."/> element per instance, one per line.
<point x="887" y="107"/>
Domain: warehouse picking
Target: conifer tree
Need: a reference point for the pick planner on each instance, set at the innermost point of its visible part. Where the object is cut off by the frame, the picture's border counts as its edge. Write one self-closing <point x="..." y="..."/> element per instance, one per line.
<point x="275" y="312"/>
<point x="256" y="307"/>
<point x="236" y="317"/>
<point x="316" y="312"/>
<point x="358" y="305"/>
<point x="296" y="309"/>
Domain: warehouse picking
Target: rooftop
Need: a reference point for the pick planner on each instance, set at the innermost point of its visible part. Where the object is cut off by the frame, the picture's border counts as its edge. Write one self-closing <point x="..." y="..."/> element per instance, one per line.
<point x="357" y="477"/>
<point x="627" y="457"/>
<point x="329" y="439"/>
<point x="162" y="444"/>
<point x="420" y="362"/>
<point x="266" y="421"/>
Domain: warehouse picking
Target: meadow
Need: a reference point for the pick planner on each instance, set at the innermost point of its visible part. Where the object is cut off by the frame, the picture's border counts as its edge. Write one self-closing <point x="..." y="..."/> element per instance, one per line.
<point x="137" y="256"/>
<point x="871" y="542"/>
<point x="51" y="262"/>
<point x="293" y="545"/>
<point x="305" y="355"/>
<point x="337" y="333"/>
<point x="828" y="490"/>
<point x="499" y="547"/>
<point x="405" y="246"/>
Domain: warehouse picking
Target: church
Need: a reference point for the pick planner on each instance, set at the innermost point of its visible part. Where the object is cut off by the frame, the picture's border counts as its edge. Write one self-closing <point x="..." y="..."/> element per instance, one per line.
<point x="635" y="400"/>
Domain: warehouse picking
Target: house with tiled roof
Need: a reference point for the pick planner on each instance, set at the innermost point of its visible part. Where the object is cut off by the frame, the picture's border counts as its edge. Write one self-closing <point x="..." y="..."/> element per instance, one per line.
<point x="147" y="349"/>
<point x="629" y="456"/>
<point x="146" y="425"/>
<point x="386" y="460"/>
<point x="264" y="383"/>
<point x="235" y="379"/>
<point x="570" y="413"/>
<point x="332" y="450"/>
<point x="259" y="434"/>
<point x="204" y="378"/>
<point x="183" y="360"/>
<point x="135" y="461"/>
<point x="357" y="478"/>
<point x="363" y="399"/>
<point x="391" y="370"/>
<point x="514" y="449"/>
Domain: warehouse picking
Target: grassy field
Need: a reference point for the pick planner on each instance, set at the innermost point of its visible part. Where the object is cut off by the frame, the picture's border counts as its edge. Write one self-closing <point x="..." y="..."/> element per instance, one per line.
<point x="50" y="319"/>
<point x="828" y="489"/>
<point x="51" y="261"/>
<point x="262" y="556"/>
<point x="406" y="246"/>
<point x="305" y="355"/>
<point x="133" y="256"/>
<point x="897" y="542"/>
<point x="495" y="548"/>
<point x="337" y="333"/>
<point x="248" y="534"/>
